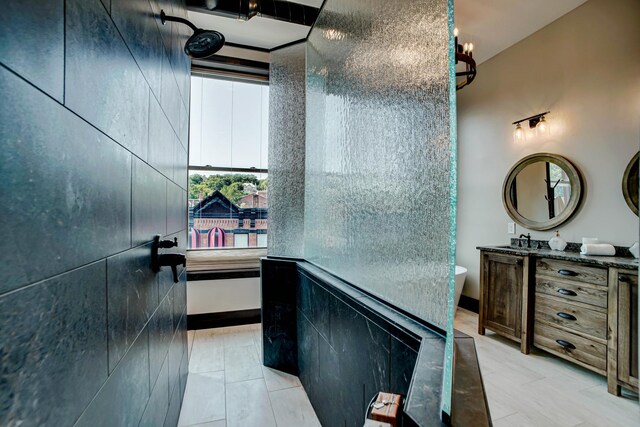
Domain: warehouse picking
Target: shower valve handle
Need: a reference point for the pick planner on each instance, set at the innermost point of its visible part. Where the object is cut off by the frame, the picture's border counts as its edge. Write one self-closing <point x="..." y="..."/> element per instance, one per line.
<point x="168" y="243"/>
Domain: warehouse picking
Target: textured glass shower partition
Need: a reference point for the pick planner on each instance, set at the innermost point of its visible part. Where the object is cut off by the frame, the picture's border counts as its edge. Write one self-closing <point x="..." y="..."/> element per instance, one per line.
<point x="287" y="151"/>
<point x="379" y="209"/>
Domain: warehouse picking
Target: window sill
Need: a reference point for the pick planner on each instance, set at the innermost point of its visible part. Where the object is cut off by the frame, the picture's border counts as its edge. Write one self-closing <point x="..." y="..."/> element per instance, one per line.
<point x="224" y="259"/>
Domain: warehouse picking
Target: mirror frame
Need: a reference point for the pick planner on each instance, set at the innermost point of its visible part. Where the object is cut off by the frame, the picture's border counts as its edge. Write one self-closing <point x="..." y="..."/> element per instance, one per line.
<point x="575" y="180"/>
<point x="625" y="184"/>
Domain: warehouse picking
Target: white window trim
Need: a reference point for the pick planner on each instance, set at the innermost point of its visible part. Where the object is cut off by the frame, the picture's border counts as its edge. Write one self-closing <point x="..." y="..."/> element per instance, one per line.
<point x="225" y="259"/>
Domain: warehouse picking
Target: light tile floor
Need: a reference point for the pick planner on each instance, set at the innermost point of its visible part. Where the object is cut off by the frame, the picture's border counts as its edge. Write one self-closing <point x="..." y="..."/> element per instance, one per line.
<point x="229" y="387"/>
<point x="541" y="390"/>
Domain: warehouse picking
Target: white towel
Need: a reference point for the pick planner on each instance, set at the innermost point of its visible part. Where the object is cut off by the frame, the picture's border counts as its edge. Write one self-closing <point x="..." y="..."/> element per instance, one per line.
<point x="598" y="249"/>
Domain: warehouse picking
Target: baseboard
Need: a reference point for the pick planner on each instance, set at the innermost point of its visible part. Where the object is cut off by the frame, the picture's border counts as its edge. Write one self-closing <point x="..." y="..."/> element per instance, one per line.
<point x="226" y="318"/>
<point x="469" y="303"/>
<point x="193" y="276"/>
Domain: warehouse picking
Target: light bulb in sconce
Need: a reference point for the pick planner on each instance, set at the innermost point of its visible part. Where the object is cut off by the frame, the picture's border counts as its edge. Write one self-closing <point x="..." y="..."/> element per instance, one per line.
<point x="455" y="32"/>
<point x="518" y="134"/>
<point x="542" y="128"/>
<point x="465" y="49"/>
<point x="470" y="47"/>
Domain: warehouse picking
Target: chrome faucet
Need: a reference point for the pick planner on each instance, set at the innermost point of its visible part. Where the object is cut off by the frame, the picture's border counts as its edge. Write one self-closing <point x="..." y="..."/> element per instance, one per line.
<point x="528" y="237"/>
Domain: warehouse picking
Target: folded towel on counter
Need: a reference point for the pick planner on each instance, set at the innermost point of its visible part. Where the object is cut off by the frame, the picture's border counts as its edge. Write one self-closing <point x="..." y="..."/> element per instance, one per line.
<point x="598" y="249"/>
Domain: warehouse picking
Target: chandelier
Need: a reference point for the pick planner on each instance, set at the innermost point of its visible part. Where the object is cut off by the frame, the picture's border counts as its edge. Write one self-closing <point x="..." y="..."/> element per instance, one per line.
<point x="464" y="54"/>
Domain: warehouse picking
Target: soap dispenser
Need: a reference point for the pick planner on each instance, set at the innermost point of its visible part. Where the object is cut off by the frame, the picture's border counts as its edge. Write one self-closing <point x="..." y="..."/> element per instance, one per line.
<point x="557" y="243"/>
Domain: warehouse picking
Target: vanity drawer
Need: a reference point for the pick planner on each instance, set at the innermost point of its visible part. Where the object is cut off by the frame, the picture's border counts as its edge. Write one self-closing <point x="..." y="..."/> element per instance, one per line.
<point x="570" y="316"/>
<point x="570" y="346"/>
<point x="571" y="271"/>
<point x="572" y="291"/>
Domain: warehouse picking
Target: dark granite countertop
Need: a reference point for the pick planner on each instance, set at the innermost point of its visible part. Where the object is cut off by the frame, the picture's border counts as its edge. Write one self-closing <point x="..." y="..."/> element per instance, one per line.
<point x="603" y="261"/>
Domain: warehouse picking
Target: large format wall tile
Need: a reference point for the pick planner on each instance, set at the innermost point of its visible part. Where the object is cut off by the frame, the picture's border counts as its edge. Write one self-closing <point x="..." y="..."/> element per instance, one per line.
<point x="124" y="396"/>
<point x="183" y="133"/>
<point x="308" y="364"/>
<point x="85" y="180"/>
<point x="27" y="35"/>
<point x="403" y="361"/>
<point x="170" y="95"/>
<point x="184" y="366"/>
<point x="367" y="360"/>
<point x="279" y="313"/>
<point x="156" y="410"/>
<point x="66" y="188"/>
<point x="176" y="208"/>
<point x="173" y="413"/>
<point x="165" y="30"/>
<point x="160" y="335"/>
<point x="137" y="24"/>
<point x="161" y="140"/>
<point x="107" y="5"/>
<point x="149" y="202"/>
<point x="182" y="69"/>
<point x="103" y="82"/>
<point x="132" y="291"/>
<point x="53" y="342"/>
<point x="179" y="299"/>
<point x="348" y="347"/>
<point x="180" y="174"/>
<point x="175" y="357"/>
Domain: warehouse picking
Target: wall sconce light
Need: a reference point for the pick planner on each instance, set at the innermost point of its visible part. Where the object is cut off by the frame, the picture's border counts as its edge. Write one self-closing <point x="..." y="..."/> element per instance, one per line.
<point x="536" y="122"/>
<point x="542" y="128"/>
<point x="518" y="134"/>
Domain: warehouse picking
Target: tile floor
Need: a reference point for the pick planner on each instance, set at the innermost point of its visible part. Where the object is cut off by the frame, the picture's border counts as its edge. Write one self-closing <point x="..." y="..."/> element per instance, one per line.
<point x="541" y="390"/>
<point x="229" y="387"/>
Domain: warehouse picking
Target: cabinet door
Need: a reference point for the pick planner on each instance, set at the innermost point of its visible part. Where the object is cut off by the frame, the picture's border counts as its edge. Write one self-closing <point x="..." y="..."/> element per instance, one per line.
<point x="502" y="283"/>
<point x="628" y="329"/>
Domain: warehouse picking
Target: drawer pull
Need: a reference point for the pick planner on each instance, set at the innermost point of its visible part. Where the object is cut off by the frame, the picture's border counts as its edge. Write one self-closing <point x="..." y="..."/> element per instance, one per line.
<point x="567" y="272"/>
<point x="566" y="344"/>
<point x="566" y="315"/>
<point x="564" y="291"/>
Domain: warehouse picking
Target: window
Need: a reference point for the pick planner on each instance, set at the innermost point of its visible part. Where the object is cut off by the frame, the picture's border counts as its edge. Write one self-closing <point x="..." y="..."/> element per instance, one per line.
<point x="228" y="197"/>
<point x="241" y="241"/>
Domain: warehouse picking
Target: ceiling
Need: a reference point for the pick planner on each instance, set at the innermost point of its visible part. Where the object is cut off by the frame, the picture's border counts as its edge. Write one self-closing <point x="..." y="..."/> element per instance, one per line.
<point x="259" y="32"/>
<point x="491" y="25"/>
<point x="494" y="25"/>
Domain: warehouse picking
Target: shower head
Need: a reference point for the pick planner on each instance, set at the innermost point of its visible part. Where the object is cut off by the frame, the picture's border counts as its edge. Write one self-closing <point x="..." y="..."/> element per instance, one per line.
<point x="203" y="43"/>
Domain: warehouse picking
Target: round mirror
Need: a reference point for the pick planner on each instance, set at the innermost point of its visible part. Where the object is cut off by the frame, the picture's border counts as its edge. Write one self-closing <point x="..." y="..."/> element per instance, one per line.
<point x="542" y="191"/>
<point x="630" y="184"/>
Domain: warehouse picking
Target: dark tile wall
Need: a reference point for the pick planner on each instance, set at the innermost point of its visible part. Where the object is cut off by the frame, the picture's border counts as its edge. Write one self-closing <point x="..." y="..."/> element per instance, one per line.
<point x="94" y="132"/>
<point x="345" y="353"/>
<point x="279" y="313"/>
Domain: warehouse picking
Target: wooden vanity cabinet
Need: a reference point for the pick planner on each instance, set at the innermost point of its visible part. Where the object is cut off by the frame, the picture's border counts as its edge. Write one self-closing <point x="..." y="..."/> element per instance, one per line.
<point x="571" y="312"/>
<point x="623" y="326"/>
<point x="504" y="294"/>
<point x="583" y="312"/>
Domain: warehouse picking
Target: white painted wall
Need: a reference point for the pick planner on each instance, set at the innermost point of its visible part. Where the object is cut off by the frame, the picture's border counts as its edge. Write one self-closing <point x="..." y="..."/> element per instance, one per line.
<point x="585" y="68"/>
<point x="215" y="296"/>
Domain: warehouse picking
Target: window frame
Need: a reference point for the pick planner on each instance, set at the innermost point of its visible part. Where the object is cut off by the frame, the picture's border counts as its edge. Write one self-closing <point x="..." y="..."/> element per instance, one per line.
<point x="240" y="78"/>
